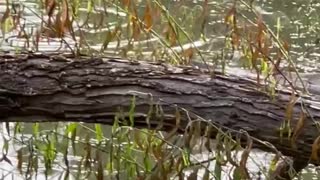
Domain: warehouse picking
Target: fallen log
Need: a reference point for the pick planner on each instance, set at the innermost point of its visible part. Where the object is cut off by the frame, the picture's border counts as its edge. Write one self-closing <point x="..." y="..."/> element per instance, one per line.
<point x="37" y="88"/>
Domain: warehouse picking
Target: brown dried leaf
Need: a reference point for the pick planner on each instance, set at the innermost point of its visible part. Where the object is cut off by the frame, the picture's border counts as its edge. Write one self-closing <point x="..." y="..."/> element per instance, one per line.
<point x="286" y="45"/>
<point x="172" y="35"/>
<point x="254" y="58"/>
<point x="5" y="16"/>
<point x="244" y="158"/>
<point x="281" y="54"/>
<point x="188" y="54"/>
<point x="126" y="3"/>
<point x="57" y="27"/>
<point x="136" y="30"/>
<point x="50" y="5"/>
<point x="260" y="39"/>
<point x="157" y="152"/>
<point x="65" y="18"/>
<point x="315" y="150"/>
<point x="148" y="17"/>
<point x="290" y="106"/>
<point x="299" y="126"/>
<point x="265" y="48"/>
<point x="235" y="40"/>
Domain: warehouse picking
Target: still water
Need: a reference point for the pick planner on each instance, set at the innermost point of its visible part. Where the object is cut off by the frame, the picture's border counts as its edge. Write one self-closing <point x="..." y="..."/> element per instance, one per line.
<point x="295" y="21"/>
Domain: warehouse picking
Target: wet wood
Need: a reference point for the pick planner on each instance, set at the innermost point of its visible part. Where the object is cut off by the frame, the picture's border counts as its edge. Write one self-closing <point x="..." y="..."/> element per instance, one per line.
<point x="55" y="88"/>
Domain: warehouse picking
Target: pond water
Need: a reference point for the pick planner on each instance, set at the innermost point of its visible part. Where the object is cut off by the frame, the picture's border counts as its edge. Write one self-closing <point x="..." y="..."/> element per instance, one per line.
<point x="295" y="21"/>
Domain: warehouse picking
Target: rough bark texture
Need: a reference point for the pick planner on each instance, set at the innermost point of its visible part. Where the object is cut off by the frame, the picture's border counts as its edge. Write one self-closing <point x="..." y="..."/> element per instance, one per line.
<point x="40" y="88"/>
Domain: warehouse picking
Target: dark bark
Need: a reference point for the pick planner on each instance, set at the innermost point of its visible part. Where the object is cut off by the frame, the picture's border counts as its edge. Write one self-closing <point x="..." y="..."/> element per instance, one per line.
<point x="40" y="88"/>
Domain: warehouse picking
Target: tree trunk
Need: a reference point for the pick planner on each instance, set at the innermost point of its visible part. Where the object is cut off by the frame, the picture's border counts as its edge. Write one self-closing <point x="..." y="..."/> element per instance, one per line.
<point x="53" y="88"/>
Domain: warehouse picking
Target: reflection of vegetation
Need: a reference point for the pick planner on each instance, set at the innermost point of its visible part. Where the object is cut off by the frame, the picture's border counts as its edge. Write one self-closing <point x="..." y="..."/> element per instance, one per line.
<point x="180" y="33"/>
